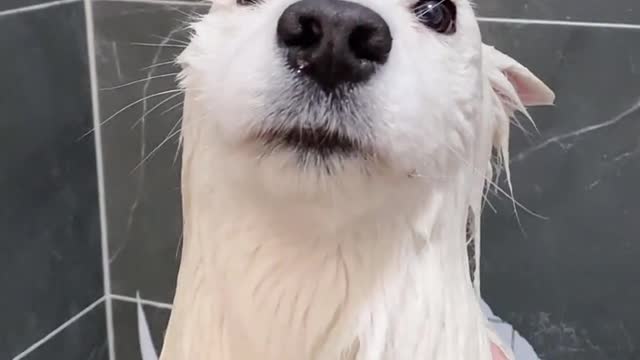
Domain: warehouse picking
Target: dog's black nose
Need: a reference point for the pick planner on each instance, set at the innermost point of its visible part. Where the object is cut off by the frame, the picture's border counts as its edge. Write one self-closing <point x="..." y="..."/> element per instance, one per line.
<point x="334" y="41"/>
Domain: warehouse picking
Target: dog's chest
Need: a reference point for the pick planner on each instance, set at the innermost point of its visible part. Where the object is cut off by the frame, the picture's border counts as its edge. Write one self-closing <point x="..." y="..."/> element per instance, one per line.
<point x="397" y="302"/>
<point x="339" y="315"/>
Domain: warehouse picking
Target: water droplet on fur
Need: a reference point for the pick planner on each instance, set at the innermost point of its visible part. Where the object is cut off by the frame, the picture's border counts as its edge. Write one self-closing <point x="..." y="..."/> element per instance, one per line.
<point x="302" y="64"/>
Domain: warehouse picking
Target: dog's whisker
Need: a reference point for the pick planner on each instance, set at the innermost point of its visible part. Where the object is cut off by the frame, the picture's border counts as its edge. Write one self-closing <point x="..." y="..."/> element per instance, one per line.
<point x="140" y="101"/>
<point x="147" y="112"/>
<point x="168" y="39"/>
<point x="104" y="122"/>
<point x="172" y="108"/>
<point x="171" y="62"/>
<point x="173" y="132"/>
<point x="191" y="17"/>
<point x="113" y="116"/>
<point x="159" y="45"/>
<point x="139" y="81"/>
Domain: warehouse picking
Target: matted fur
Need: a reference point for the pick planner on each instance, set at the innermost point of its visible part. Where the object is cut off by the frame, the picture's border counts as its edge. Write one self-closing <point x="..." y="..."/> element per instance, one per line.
<point x="346" y="258"/>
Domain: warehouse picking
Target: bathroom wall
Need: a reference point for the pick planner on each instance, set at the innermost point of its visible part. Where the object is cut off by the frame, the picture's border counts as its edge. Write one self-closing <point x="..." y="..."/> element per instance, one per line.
<point x="565" y="279"/>
<point x="135" y="45"/>
<point x="51" y="281"/>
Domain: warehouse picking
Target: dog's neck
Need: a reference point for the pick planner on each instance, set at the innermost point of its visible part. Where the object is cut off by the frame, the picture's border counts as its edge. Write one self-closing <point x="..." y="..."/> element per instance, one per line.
<point x="265" y="280"/>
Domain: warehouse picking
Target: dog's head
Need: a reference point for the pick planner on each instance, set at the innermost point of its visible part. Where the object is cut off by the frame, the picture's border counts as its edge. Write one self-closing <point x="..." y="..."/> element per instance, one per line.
<point x="349" y="90"/>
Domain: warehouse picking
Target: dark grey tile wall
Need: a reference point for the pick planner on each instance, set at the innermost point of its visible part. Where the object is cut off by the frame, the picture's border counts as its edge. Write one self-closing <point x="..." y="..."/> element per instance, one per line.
<point x="50" y="266"/>
<point x="142" y="170"/>
<point x="7" y="5"/>
<point x="140" y="155"/>
<point x="84" y="339"/>
<point x="569" y="283"/>
<point x="625" y="11"/>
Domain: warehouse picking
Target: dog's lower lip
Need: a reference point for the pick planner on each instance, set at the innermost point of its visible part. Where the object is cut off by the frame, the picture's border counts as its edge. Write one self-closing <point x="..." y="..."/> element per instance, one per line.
<point x="318" y="140"/>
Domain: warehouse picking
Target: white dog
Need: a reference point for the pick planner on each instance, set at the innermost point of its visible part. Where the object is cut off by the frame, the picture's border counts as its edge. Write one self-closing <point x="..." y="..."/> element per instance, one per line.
<point x="334" y="154"/>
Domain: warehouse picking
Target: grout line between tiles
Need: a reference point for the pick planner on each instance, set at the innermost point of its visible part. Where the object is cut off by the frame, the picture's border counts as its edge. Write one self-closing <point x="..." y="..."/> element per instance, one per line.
<point x="604" y="25"/>
<point x="36" y="7"/>
<point x="104" y="233"/>
<point x="200" y="3"/>
<point x="524" y="21"/>
<point x="130" y="299"/>
<point x="59" y="329"/>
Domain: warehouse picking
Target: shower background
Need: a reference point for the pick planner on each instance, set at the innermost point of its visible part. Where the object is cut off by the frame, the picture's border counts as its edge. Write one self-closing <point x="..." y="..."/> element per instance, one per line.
<point x="86" y="224"/>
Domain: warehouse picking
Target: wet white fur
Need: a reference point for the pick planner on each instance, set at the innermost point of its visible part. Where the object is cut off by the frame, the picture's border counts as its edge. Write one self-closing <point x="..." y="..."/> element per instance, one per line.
<point x="287" y="263"/>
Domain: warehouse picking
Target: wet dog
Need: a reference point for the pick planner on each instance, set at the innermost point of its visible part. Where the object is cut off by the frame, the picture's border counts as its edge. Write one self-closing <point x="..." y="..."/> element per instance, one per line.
<point x="334" y="155"/>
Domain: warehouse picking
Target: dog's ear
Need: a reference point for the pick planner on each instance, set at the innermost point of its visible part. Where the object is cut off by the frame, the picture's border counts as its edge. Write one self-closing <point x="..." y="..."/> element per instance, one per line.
<point x="514" y="89"/>
<point x="513" y="83"/>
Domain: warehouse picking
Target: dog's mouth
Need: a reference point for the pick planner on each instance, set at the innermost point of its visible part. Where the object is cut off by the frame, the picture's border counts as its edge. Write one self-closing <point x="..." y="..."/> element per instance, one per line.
<point x="318" y="141"/>
<point x="315" y="125"/>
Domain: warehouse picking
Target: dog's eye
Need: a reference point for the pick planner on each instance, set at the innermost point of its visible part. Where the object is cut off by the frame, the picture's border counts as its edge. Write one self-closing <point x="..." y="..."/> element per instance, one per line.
<point x="247" y="2"/>
<point x="440" y="15"/>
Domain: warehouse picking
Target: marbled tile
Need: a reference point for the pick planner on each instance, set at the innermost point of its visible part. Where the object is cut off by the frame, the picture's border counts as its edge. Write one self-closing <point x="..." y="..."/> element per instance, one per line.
<point x="49" y="225"/>
<point x="6" y="5"/>
<point x="141" y="172"/>
<point x="568" y="283"/>
<point x="84" y="339"/>
<point x="125" y="319"/>
<point x="625" y="11"/>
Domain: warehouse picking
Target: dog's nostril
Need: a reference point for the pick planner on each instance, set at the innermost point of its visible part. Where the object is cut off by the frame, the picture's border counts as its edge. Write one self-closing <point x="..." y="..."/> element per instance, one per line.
<point x="337" y="41"/>
<point x="311" y="31"/>
<point x="367" y="43"/>
<point x="302" y="32"/>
